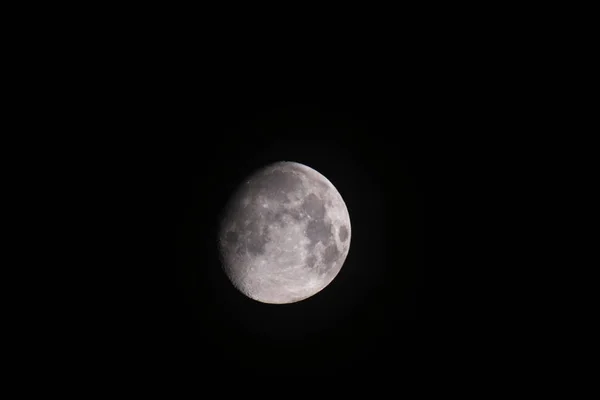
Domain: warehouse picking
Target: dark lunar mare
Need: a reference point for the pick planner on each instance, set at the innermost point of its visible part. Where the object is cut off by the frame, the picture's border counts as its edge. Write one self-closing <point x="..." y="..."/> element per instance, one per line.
<point x="318" y="229"/>
<point x="343" y="233"/>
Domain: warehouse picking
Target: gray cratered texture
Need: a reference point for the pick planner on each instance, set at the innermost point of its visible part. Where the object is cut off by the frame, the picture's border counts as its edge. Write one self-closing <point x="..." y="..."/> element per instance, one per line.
<point x="285" y="234"/>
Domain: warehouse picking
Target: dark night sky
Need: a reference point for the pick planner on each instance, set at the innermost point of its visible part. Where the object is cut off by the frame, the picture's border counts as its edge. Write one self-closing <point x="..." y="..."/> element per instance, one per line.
<point x="143" y="139"/>
<point x="151" y="136"/>
<point x="171" y="176"/>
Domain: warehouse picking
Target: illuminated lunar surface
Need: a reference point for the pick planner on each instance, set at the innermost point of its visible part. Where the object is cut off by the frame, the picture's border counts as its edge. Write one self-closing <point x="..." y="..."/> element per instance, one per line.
<point x="285" y="234"/>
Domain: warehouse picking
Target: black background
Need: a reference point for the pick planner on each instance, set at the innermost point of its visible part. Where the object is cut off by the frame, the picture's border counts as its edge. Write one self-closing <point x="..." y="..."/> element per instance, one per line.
<point x="183" y="154"/>
<point x="158" y="136"/>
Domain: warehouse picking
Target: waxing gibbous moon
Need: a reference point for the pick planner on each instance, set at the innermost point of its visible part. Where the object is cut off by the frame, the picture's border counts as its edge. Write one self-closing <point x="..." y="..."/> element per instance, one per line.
<point x="284" y="234"/>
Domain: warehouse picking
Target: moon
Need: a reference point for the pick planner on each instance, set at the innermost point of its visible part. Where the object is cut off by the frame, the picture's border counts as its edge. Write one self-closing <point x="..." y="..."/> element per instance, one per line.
<point x="284" y="234"/>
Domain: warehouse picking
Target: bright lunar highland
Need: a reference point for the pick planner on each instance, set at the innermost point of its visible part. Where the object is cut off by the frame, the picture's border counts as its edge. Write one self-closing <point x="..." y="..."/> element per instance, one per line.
<point x="285" y="234"/>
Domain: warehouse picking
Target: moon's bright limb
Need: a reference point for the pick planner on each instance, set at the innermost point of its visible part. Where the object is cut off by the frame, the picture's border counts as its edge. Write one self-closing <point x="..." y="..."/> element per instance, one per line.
<point x="285" y="234"/>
